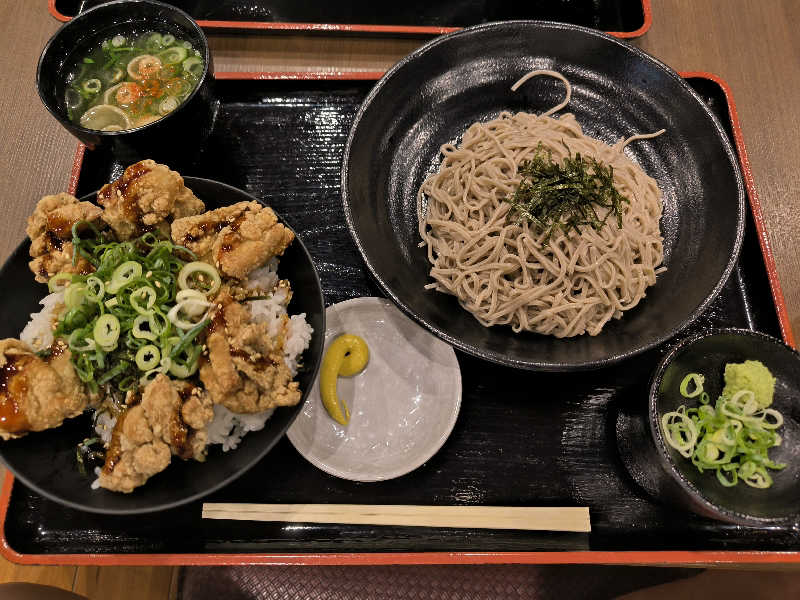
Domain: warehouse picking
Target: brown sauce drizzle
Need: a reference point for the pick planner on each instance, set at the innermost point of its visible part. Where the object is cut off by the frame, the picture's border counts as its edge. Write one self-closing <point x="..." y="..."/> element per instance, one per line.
<point x="237" y="222"/>
<point x="204" y="228"/>
<point x="55" y="350"/>
<point x="114" y="452"/>
<point x="53" y="241"/>
<point x="43" y="271"/>
<point x="218" y="322"/>
<point x="260" y="363"/>
<point x="58" y="226"/>
<point x="230" y="238"/>
<point x="49" y="266"/>
<point x="185" y="390"/>
<point x="132" y="398"/>
<point x="84" y="266"/>
<point x="179" y="436"/>
<point x="13" y="386"/>
<point x="128" y="205"/>
<point x="178" y="429"/>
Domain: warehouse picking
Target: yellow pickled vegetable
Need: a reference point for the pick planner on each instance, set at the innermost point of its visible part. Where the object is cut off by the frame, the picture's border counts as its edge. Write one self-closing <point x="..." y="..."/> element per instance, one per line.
<point x="346" y="356"/>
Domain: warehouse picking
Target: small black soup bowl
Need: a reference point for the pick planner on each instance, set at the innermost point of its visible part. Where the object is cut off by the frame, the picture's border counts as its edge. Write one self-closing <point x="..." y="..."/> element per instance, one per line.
<point x="173" y="136"/>
<point x="673" y="479"/>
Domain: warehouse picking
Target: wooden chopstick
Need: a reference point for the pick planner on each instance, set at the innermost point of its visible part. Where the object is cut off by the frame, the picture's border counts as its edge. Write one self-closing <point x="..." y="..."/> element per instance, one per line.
<point x="545" y="518"/>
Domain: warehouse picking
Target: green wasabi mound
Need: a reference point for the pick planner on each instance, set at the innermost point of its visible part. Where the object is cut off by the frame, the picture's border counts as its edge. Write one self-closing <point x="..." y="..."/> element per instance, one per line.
<point x="750" y="375"/>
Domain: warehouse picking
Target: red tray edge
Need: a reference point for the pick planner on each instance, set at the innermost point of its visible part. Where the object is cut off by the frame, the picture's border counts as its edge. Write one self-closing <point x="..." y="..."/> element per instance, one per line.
<point x="331" y="27"/>
<point x="657" y="557"/>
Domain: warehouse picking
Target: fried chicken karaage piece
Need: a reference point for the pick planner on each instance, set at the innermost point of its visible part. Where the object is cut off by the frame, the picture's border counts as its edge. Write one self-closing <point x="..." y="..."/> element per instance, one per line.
<point x="245" y="371"/>
<point x="36" y="394"/>
<point x="50" y="231"/>
<point x="170" y="419"/>
<point x="236" y="239"/>
<point x="148" y="197"/>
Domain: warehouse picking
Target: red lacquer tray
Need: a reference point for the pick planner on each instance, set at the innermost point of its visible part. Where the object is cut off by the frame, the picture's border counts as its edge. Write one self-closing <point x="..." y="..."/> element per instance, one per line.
<point x="37" y="531"/>
<point x="627" y="18"/>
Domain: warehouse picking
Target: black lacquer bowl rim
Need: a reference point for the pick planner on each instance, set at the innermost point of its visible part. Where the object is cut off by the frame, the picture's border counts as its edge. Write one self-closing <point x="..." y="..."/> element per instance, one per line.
<point x="315" y="353"/>
<point x="78" y="22"/>
<point x="492" y="356"/>
<point x="665" y="459"/>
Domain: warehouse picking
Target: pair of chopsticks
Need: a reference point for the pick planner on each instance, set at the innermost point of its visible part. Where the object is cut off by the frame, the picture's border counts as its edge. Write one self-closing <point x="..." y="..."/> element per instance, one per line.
<point x="544" y="518"/>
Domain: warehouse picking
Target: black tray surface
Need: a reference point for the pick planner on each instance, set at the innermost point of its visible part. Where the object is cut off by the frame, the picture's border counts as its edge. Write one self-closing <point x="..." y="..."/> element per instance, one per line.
<point x="522" y="438"/>
<point x="605" y="15"/>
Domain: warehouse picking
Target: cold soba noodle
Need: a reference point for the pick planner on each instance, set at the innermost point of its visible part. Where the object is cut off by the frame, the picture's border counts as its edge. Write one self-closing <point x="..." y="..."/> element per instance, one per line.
<point x="505" y="269"/>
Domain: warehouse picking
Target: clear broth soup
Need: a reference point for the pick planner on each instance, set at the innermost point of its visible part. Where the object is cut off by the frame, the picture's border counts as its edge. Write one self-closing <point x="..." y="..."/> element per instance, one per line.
<point x="130" y="80"/>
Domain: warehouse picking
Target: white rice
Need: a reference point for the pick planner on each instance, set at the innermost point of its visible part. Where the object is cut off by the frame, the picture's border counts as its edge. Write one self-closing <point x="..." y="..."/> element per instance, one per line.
<point x="38" y="333"/>
<point x="96" y="483"/>
<point x="228" y="428"/>
<point x="104" y="426"/>
<point x="265" y="277"/>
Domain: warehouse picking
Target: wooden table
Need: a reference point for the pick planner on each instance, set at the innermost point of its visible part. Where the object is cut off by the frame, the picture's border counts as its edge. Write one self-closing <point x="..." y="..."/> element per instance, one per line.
<point x="753" y="45"/>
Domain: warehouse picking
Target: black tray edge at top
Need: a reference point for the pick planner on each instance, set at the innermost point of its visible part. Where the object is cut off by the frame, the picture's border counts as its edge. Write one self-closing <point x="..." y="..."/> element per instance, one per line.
<point x="254" y="26"/>
<point x="470" y="557"/>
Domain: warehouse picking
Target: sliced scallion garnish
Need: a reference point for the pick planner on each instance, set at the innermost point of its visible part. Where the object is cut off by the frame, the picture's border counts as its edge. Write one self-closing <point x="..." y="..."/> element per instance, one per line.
<point x="117" y="320"/>
<point x="732" y="438"/>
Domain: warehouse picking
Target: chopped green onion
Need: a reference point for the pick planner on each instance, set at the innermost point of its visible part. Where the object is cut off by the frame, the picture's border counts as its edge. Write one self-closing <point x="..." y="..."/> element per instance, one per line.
<point x="139" y="331"/>
<point x="201" y="276"/>
<point x="174" y="55"/>
<point x="148" y="357"/>
<point x="76" y="317"/>
<point x="123" y="274"/>
<point x="148" y="294"/>
<point x="126" y="383"/>
<point x="189" y="294"/>
<point x="732" y="437"/>
<point x="189" y="306"/>
<point x="75" y="344"/>
<point x="75" y="295"/>
<point x="149" y="376"/>
<point x="193" y="65"/>
<point x="183" y="371"/>
<point x="116" y="75"/>
<point x="95" y="289"/>
<point x="680" y="431"/>
<point x="106" y="330"/>
<point x="777" y="421"/>
<point x="696" y="381"/>
<point x="153" y="42"/>
<point x="54" y="283"/>
<point x="111" y="373"/>
<point x="92" y="86"/>
<point x="117" y="320"/>
<point x="167" y="105"/>
<point x="188" y="338"/>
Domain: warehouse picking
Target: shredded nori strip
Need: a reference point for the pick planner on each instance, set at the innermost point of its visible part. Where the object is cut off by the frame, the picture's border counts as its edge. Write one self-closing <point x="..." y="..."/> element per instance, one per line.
<point x="566" y="196"/>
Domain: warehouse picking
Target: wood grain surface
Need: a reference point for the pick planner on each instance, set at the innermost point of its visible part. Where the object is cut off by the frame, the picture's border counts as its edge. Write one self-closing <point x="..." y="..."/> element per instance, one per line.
<point x="755" y="46"/>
